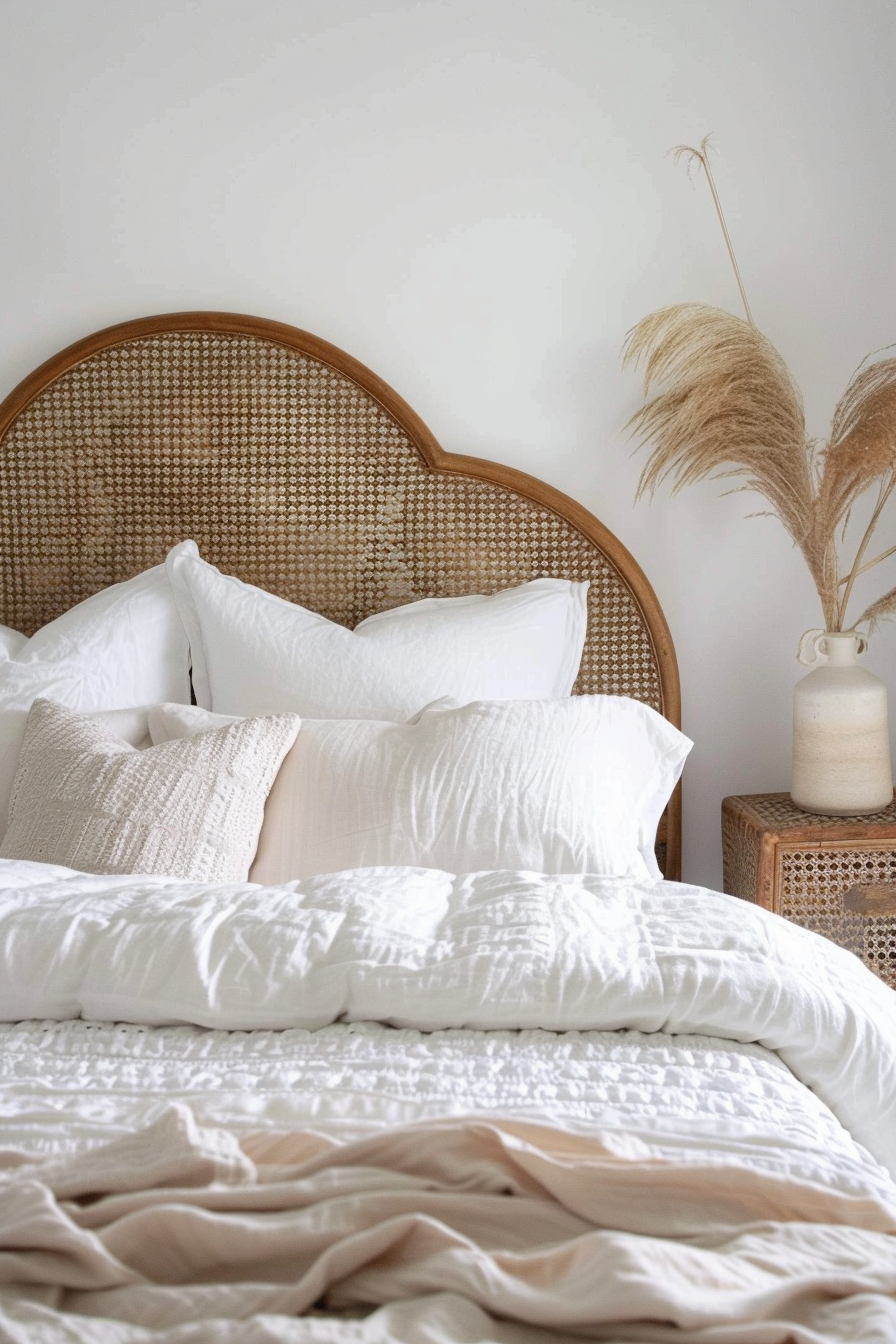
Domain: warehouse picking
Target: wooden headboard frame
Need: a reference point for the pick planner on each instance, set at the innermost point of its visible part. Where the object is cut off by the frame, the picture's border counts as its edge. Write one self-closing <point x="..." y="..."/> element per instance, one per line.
<point x="296" y="468"/>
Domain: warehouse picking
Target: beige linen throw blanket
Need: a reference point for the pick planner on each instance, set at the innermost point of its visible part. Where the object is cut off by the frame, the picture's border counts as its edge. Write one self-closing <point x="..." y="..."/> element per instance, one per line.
<point x="447" y="1232"/>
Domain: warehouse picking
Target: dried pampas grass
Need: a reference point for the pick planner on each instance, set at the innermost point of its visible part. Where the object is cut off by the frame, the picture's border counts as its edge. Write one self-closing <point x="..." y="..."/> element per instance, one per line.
<point x="720" y="401"/>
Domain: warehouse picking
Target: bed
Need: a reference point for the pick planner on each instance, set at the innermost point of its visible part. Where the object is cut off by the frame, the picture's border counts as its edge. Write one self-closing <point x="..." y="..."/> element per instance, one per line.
<point x="396" y="1101"/>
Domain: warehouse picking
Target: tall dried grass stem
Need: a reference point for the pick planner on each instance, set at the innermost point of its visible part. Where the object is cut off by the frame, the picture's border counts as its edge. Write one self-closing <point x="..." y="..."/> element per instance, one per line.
<point x="886" y="490"/>
<point x="869" y="564"/>
<point x="702" y="157"/>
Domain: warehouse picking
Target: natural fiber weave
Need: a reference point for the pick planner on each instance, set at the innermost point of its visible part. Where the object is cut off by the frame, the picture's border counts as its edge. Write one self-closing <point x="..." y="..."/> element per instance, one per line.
<point x="297" y="469"/>
<point x="804" y="866"/>
<point x="813" y="883"/>
<point x="778" y="813"/>
<point x="287" y="474"/>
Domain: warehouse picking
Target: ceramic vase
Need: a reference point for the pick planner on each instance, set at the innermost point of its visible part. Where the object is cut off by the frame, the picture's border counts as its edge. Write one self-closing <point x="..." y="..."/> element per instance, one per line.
<point x="841" y="741"/>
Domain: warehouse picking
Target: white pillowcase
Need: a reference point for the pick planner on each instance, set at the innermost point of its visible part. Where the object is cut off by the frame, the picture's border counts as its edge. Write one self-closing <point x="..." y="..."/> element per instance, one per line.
<point x="254" y="653"/>
<point x="553" y="786"/>
<point x="11" y="642"/>
<point x="124" y="646"/>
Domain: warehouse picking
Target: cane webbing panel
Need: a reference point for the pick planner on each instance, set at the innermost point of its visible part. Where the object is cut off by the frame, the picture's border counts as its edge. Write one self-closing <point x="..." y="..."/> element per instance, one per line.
<point x="807" y="867"/>
<point x="740" y="856"/>
<point x="288" y="474"/>
<point x="813" y="883"/>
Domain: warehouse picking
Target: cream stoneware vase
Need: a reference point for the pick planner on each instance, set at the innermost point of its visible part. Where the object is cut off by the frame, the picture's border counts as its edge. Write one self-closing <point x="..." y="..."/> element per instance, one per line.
<point x="841" y="740"/>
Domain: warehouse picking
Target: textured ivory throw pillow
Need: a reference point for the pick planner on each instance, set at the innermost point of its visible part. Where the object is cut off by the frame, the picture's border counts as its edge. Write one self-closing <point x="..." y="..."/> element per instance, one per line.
<point x="192" y="808"/>
<point x="254" y="653"/>
<point x="550" y="786"/>
<point x="124" y="646"/>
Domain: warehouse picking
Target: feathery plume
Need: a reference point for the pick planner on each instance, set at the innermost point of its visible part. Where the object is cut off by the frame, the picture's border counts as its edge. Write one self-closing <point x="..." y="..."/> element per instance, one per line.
<point x="721" y="402"/>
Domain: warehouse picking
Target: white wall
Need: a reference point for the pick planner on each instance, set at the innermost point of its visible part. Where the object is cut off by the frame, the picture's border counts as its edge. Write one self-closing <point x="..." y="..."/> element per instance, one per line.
<point x="474" y="197"/>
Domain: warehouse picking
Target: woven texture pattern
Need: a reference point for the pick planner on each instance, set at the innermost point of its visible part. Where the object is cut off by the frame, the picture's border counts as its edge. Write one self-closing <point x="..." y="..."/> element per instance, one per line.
<point x="778" y="813"/>
<point x="740" y="857"/>
<point x="191" y="809"/>
<point x="813" y="884"/>
<point x="807" y="879"/>
<point x="288" y="474"/>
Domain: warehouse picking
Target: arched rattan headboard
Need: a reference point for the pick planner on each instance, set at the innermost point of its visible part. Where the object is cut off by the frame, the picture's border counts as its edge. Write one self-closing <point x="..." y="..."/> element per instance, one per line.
<point x="297" y="469"/>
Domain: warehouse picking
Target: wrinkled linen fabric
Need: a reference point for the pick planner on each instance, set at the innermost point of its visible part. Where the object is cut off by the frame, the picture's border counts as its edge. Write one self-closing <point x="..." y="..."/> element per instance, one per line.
<point x="590" y="1116"/>
<point x="11" y="642"/>
<point x="174" y="1226"/>
<point x="255" y="653"/>
<point x="582" y="782"/>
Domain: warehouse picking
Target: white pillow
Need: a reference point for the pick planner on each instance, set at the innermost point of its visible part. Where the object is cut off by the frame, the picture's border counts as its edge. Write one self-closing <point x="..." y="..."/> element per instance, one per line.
<point x="554" y="786"/>
<point x="124" y="646"/>
<point x="192" y="809"/>
<point x="254" y="653"/>
<point x="11" y="642"/>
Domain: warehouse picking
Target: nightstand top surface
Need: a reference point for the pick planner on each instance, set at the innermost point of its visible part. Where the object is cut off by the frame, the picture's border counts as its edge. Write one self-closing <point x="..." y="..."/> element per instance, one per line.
<point x="777" y="813"/>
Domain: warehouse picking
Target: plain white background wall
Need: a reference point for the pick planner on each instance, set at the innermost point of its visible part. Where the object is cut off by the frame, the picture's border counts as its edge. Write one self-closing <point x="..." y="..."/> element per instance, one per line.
<point x="474" y="197"/>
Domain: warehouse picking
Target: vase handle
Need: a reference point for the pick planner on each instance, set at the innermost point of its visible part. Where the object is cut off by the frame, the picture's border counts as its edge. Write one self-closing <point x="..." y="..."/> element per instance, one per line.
<point x="808" y="651"/>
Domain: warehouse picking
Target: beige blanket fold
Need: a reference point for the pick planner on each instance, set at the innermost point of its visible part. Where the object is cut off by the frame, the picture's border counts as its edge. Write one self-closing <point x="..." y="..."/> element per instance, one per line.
<point x="461" y="1230"/>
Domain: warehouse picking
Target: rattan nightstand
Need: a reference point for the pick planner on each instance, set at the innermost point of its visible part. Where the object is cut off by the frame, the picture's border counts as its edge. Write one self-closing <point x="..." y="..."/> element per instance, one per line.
<point x="836" y="875"/>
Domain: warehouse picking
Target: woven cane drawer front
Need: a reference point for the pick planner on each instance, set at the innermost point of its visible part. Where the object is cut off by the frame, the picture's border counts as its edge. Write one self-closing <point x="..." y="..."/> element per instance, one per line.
<point x="812" y="882"/>
<point x="740" y="857"/>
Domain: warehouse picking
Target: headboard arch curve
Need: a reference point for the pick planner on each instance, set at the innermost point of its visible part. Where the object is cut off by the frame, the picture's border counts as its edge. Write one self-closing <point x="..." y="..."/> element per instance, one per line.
<point x="296" y="468"/>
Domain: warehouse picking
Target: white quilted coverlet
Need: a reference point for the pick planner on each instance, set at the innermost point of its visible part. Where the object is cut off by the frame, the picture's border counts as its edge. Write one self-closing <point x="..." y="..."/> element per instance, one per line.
<point x="423" y="949"/>
<point x="66" y="1086"/>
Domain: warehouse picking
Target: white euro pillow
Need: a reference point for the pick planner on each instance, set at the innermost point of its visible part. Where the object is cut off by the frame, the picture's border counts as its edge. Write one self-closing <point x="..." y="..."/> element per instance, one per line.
<point x="254" y="653"/>
<point x="552" y="786"/>
<point x="11" y="642"/>
<point x="123" y="647"/>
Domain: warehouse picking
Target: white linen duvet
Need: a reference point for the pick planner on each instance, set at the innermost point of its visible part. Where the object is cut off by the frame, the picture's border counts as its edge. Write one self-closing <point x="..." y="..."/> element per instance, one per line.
<point x="499" y="1106"/>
